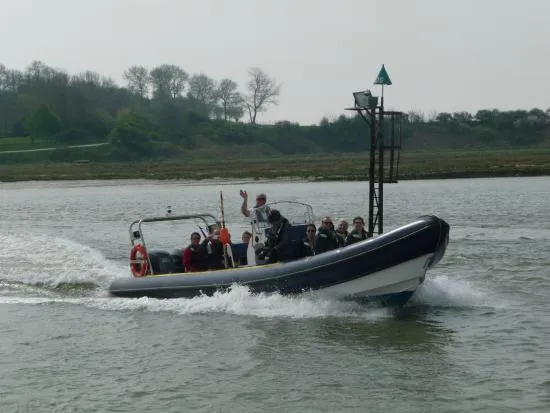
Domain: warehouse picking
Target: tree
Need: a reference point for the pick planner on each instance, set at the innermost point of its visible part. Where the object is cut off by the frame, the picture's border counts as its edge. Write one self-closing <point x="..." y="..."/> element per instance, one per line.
<point x="444" y="117"/>
<point x="12" y="80"/>
<point x="3" y="76"/>
<point x="42" y="123"/>
<point x="463" y="117"/>
<point x="231" y="101"/>
<point x="203" y="89"/>
<point x="131" y="135"/>
<point x="415" y="116"/>
<point x="236" y="108"/>
<point x="108" y="83"/>
<point x="12" y="110"/>
<point x="262" y="91"/>
<point x="168" y="81"/>
<point x="89" y="78"/>
<point x="487" y="116"/>
<point x="38" y="72"/>
<point x="138" y="80"/>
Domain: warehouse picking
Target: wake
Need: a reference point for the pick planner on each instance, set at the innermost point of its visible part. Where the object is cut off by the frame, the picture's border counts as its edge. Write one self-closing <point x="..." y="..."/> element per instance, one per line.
<point x="54" y="263"/>
<point x="76" y="274"/>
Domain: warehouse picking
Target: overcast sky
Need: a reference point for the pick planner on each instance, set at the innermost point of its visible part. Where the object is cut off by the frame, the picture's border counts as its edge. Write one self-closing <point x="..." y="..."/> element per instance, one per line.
<point x="441" y="55"/>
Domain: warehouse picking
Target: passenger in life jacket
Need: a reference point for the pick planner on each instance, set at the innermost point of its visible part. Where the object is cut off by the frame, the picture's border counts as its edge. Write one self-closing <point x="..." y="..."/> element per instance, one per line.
<point x="358" y="233"/>
<point x="342" y="232"/>
<point x="242" y="259"/>
<point x="193" y="256"/>
<point x="260" y="212"/>
<point x="307" y="247"/>
<point x="212" y="249"/>
<point x="326" y="239"/>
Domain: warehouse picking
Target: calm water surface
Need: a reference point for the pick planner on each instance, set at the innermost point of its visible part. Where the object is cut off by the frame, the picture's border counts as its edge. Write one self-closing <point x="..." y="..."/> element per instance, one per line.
<point x="475" y="337"/>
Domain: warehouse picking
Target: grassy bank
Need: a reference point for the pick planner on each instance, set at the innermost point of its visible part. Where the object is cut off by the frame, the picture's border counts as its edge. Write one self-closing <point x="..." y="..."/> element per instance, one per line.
<point x="413" y="165"/>
<point x="24" y="143"/>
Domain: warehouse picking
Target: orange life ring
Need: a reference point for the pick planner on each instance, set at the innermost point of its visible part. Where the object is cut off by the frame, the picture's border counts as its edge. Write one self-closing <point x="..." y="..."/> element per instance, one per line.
<point x="139" y="266"/>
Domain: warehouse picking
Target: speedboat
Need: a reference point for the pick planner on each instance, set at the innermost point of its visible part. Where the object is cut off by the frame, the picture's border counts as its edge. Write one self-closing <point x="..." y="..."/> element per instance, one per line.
<point x="387" y="268"/>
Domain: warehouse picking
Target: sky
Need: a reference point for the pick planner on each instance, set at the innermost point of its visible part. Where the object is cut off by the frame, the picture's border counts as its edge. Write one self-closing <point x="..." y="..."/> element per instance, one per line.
<point x="441" y="55"/>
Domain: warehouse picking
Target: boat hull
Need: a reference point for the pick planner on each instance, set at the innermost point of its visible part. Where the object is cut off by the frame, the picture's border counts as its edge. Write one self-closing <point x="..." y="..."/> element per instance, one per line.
<point x="389" y="267"/>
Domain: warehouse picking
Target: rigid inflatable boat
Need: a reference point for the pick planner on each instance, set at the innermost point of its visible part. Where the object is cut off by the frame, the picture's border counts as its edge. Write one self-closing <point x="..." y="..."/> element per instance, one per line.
<point x="388" y="267"/>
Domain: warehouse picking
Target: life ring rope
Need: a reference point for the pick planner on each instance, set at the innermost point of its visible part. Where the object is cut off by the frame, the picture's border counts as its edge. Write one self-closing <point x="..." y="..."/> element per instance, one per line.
<point x="139" y="266"/>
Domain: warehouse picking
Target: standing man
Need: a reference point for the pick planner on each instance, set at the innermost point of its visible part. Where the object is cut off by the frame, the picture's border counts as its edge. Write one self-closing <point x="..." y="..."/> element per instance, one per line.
<point x="261" y="210"/>
<point x="279" y="245"/>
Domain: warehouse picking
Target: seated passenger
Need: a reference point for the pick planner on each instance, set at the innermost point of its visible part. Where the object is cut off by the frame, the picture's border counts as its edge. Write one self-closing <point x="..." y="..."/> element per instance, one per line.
<point x="212" y="249"/>
<point x="279" y="241"/>
<point x="358" y="233"/>
<point x="243" y="260"/>
<point x="193" y="256"/>
<point x="246" y="237"/>
<point x="307" y="247"/>
<point x="326" y="239"/>
<point x="342" y="232"/>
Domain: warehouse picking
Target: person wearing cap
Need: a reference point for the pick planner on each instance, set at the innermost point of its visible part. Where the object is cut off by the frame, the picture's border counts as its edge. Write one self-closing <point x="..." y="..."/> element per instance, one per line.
<point x="279" y="242"/>
<point x="358" y="233"/>
<point x="260" y="211"/>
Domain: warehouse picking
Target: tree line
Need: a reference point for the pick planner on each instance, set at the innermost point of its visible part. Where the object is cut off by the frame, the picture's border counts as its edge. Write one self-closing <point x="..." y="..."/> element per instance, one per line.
<point x="165" y="112"/>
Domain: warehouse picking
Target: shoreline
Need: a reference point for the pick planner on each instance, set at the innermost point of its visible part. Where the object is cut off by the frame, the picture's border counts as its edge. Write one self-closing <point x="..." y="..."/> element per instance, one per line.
<point x="421" y="165"/>
<point x="71" y="172"/>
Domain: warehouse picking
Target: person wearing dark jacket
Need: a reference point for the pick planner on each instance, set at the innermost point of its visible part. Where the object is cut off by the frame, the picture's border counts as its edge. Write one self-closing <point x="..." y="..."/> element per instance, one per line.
<point x="342" y="232"/>
<point x="279" y="243"/>
<point x="212" y="249"/>
<point x="307" y="247"/>
<point x="326" y="239"/>
<point x="358" y="233"/>
<point x="193" y="255"/>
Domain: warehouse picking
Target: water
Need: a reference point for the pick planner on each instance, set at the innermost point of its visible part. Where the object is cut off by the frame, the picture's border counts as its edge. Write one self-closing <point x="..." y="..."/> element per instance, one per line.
<point x="475" y="337"/>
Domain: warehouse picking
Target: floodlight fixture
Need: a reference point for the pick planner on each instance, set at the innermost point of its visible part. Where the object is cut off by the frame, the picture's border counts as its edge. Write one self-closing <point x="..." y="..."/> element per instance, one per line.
<point x="364" y="99"/>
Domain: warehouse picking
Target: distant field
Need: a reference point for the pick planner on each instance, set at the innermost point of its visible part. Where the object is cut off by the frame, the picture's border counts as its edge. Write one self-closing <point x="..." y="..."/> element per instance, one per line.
<point x="24" y="143"/>
<point x="413" y="165"/>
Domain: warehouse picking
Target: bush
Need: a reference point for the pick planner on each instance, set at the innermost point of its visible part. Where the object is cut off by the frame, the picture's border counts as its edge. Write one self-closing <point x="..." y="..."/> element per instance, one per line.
<point x="72" y="137"/>
<point x="43" y="123"/>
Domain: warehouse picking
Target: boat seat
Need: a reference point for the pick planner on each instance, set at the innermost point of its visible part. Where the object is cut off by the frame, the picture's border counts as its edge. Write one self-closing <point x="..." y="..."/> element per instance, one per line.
<point x="239" y="253"/>
<point x="177" y="258"/>
<point x="162" y="262"/>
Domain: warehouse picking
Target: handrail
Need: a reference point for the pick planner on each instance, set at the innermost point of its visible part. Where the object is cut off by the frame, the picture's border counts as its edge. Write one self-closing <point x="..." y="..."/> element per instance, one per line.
<point x="140" y="221"/>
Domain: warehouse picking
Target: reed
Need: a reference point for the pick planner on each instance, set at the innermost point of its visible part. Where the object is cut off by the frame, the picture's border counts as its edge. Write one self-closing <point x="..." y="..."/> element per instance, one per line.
<point x="413" y="165"/>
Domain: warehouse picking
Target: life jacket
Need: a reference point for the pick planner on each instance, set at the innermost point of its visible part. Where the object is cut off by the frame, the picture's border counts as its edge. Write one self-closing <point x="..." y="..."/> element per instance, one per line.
<point x="326" y="240"/>
<point x="260" y="214"/>
<point x="355" y="236"/>
<point x="213" y="254"/>
<point x="193" y="258"/>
